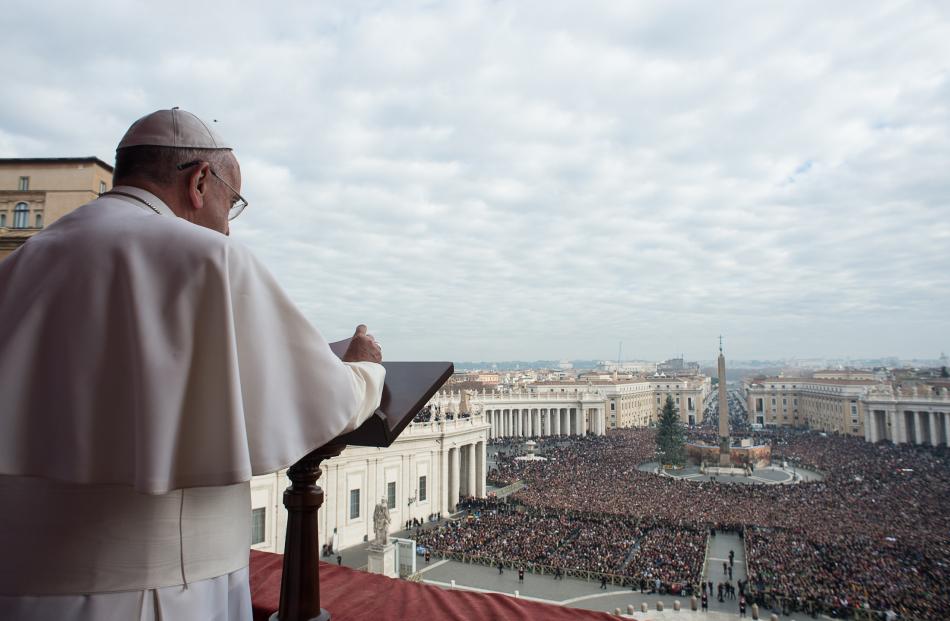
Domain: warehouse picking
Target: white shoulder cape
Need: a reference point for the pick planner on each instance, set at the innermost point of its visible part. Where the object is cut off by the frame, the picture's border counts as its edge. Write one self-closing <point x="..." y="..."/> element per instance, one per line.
<point x="143" y="350"/>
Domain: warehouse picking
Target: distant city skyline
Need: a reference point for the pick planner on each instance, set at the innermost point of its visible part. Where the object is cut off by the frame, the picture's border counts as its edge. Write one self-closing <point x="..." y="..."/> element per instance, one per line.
<point x="804" y="363"/>
<point x="492" y="181"/>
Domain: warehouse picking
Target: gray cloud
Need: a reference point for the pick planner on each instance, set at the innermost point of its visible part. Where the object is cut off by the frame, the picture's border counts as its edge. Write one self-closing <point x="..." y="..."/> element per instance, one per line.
<point x="501" y="180"/>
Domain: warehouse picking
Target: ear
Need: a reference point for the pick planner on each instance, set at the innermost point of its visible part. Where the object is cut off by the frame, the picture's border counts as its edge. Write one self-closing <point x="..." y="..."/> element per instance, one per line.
<point x="198" y="185"/>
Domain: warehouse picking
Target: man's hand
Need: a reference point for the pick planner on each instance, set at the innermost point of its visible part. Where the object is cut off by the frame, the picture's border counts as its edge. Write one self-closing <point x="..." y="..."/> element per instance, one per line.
<point x="363" y="347"/>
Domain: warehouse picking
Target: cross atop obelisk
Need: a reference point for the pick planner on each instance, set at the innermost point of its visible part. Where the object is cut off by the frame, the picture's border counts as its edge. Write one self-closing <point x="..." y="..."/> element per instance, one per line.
<point x="723" y="410"/>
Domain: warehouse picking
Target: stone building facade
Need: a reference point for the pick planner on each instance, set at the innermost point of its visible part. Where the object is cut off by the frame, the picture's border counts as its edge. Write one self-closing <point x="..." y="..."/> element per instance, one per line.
<point x="35" y="192"/>
<point x="915" y="414"/>
<point x="547" y="408"/>
<point x="832" y="405"/>
<point x="874" y="409"/>
<point x="425" y="471"/>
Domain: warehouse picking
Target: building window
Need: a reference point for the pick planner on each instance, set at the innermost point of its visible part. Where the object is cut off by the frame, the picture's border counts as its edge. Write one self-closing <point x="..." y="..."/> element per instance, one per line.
<point x="354" y="504"/>
<point x="39" y="220"/>
<point x="391" y="494"/>
<point x="24" y="184"/>
<point x="422" y="488"/>
<point x="102" y="187"/>
<point x="21" y="216"/>
<point x="3" y="219"/>
<point x="257" y="525"/>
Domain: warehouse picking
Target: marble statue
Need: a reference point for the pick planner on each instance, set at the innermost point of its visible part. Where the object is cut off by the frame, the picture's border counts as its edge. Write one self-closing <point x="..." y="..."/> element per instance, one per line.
<point x="381" y="522"/>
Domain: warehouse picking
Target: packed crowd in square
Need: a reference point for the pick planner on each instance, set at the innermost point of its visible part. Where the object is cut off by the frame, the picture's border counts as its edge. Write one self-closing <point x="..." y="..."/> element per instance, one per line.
<point x="875" y="532"/>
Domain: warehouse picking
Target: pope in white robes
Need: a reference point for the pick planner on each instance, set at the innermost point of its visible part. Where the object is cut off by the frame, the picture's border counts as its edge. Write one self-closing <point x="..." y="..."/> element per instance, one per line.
<point x="149" y="367"/>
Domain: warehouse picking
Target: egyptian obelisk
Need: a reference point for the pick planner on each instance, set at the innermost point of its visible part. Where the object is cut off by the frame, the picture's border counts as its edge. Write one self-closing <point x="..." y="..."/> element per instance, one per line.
<point x="724" y="457"/>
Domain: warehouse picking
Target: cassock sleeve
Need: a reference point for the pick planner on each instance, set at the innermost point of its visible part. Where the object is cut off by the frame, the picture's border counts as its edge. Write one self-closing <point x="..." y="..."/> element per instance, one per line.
<point x="296" y="394"/>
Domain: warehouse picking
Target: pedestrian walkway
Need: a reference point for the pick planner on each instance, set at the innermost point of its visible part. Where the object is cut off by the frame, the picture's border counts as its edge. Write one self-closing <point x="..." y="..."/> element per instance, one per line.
<point x="718" y="565"/>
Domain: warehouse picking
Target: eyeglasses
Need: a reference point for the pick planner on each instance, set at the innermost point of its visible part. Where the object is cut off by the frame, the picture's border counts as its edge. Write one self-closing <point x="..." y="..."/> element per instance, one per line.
<point x="238" y="203"/>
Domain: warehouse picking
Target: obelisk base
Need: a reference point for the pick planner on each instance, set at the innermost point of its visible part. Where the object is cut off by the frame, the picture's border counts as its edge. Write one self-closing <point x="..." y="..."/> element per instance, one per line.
<point x="382" y="560"/>
<point x="725" y="457"/>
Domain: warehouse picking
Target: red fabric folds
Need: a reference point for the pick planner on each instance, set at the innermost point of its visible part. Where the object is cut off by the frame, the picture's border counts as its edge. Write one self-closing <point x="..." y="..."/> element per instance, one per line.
<point x="355" y="595"/>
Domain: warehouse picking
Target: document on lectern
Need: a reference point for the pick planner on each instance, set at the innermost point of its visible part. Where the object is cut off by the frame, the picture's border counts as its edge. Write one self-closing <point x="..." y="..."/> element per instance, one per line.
<point x="408" y="387"/>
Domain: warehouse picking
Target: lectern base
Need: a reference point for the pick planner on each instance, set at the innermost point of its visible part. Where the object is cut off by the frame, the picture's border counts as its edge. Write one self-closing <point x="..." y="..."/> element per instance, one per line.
<point x="323" y="616"/>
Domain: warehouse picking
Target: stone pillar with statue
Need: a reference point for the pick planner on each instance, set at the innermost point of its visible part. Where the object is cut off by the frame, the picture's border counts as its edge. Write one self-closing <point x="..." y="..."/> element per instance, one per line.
<point x="382" y="558"/>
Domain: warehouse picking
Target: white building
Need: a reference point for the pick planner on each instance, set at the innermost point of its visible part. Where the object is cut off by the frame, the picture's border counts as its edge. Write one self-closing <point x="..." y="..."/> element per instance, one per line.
<point x="425" y="472"/>
<point x="917" y="414"/>
<point x="577" y="408"/>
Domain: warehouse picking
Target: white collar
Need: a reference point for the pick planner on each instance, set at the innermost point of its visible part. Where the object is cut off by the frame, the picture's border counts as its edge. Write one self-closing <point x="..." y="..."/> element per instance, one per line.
<point x="140" y="198"/>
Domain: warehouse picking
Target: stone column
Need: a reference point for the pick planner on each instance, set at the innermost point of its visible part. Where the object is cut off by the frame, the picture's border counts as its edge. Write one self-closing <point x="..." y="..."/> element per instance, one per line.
<point x="471" y="489"/>
<point x="443" y="483"/>
<point x="463" y="471"/>
<point x="453" y="479"/>
<point x="581" y="421"/>
<point x="506" y="423"/>
<point x="934" y="429"/>
<point x="481" y="458"/>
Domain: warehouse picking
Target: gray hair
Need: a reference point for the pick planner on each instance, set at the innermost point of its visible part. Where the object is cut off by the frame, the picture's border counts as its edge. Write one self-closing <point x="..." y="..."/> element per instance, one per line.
<point x="160" y="164"/>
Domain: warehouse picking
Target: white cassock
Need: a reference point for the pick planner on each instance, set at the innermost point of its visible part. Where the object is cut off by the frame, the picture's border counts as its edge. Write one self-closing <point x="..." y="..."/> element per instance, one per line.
<point x="148" y="368"/>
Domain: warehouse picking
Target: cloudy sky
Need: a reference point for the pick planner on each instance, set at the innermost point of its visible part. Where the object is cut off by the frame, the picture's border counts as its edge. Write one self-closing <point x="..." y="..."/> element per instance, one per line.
<point x="521" y="180"/>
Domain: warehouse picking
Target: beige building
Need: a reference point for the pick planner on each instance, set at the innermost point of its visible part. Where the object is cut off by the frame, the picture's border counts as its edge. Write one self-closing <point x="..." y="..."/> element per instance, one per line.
<point x="35" y="192"/>
<point x="689" y="393"/>
<point x="906" y="411"/>
<point x="832" y="405"/>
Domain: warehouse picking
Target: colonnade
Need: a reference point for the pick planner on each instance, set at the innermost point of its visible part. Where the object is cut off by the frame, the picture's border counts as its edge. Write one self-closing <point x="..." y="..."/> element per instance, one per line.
<point x="465" y="470"/>
<point x="542" y="422"/>
<point x="905" y="426"/>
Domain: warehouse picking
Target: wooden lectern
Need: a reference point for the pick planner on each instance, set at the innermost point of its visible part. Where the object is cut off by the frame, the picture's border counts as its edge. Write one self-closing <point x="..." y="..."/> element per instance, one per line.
<point x="408" y="387"/>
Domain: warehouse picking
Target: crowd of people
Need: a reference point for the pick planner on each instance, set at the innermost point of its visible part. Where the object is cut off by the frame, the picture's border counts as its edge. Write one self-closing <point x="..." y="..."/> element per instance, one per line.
<point x="875" y="531"/>
<point x="625" y="549"/>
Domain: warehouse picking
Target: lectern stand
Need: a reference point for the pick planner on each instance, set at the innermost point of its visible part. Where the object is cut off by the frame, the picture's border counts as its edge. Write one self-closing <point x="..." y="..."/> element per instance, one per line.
<point x="408" y="387"/>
